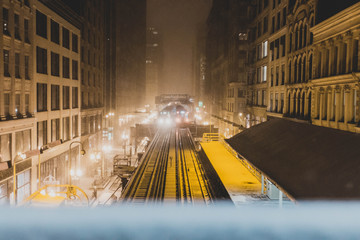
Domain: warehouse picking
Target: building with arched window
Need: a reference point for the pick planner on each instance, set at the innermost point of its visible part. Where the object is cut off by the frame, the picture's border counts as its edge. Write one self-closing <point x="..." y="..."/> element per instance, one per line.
<point x="335" y="85"/>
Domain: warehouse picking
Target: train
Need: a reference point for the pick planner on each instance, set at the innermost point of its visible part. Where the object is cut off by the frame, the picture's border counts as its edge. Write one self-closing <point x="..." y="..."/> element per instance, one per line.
<point x="175" y="114"/>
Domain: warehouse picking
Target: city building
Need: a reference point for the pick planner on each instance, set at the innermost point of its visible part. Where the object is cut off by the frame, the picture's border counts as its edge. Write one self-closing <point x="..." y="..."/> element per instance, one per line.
<point x="17" y="104"/>
<point x="284" y="80"/>
<point x="39" y="97"/>
<point x="56" y="51"/>
<point x="336" y="71"/>
<point x="154" y="63"/>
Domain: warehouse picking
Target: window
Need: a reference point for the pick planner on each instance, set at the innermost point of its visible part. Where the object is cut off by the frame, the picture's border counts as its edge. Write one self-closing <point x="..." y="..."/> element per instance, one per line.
<point x="22" y="186"/>
<point x="264" y="49"/>
<point x="82" y="53"/>
<point x="263" y="97"/>
<point x="55" y="36"/>
<point x="6" y="21"/>
<point x="42" y="133"/>
<point x="26" y="2"/>
<point x="27" y="103"/>
<point x="66" y="97"/>
<point x="41" y="60"/>
<point x="75" y="46"/>
<point x="263" y="73"/>
<point x="17" y="105"/>
<point x="26" y="31"/>
<point x="283" y="74"/>
<point x="23" y="141"/>
<point x="66" y="66"/>
<point x="75" y="67"/>
<point x="66" y="129"/>
<point x="273" y="24"/>
<point x="278" y="21"/>
<point x="266" y="23"/>
<point x="55" y="129"/>
<point x="41" y="24"/>
<point x="284" y="17"/>
<point x="84" y="128"/>
<point x="259" y="29"/>
<point x="6" y="63"/>
<point x="75" y="98"/>
<point x="277" y="77"/>
<point x="17" y="26"/>
<point x="27" y="75"/>
<point x="55" y="64"/>
<point x="41" y="97"/>
<point x="66" y="38"/>
<point x="7" y="105"/>
<point x="55" y="97"/>
<point x="17" y="65"/>
<point x="75" y="126"/>
<point x="82" y="77"/>
<point x="241" y="93"/>
<point x="5" y="147"/>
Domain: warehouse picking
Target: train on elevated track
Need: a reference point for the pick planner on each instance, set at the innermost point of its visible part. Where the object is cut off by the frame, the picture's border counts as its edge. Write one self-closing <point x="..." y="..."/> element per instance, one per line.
<point x="174" y="114"/>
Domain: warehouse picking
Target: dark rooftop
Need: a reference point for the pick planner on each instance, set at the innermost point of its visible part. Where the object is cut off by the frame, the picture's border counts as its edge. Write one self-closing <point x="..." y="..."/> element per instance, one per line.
<point x="307" y="161"/>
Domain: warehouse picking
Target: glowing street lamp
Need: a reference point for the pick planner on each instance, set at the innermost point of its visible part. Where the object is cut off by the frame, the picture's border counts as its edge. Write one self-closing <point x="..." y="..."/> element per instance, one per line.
<point x="71" y="171"/>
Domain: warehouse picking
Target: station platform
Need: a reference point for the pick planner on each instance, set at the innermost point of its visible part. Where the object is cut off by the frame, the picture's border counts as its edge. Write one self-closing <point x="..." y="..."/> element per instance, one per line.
<point x="241" y="184"/>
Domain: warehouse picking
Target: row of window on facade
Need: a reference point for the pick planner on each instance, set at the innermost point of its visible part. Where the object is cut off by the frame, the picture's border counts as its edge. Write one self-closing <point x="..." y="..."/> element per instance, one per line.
<point x="92" y="59"/>
<point x="277" y="22"/>
<point x="279" y="76"/>
<point x="42" y="93"/>
<point x="66" y="134"/>
<point x="336" y="104"/>
<point x="257" y="98"/>
<point x="300" y="36"/>
<point x="41" y="64"/>
<point x="337" y="59"/>
<point x="240" y="93"/>
<point x="16" y="27"/>
<point x="17" y="66"/>
<point x="90" y="78"/>
<point x="42" y="31"/>
<point x="263" y="4"/>
<point x="90" y="124"/>
<point x="17" y="101"/>
<point x="23" y="188"/>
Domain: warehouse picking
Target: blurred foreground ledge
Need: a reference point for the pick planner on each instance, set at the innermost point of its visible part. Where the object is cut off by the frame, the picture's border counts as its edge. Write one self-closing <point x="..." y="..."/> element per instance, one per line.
<point x="319" y="220"/>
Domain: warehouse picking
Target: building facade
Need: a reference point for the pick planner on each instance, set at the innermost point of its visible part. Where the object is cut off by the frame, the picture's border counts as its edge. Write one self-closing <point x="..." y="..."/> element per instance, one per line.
<point x="336" y="71"/>
<point x="154" y="63"/>
<point x="283" y="77"/>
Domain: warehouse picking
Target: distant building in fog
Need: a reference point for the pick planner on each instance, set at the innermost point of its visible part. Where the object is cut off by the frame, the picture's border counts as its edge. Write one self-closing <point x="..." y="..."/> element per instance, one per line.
<point x="154" y="64"/>
<point x="199" y="66"/>
<point x="129" y="23"/>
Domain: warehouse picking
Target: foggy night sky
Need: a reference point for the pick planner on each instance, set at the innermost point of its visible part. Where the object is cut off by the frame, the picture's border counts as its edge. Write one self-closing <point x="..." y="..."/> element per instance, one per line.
<point x="177" y="20"/>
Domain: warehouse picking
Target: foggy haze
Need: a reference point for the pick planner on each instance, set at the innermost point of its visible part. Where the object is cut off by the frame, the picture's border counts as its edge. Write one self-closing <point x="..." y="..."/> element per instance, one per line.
<point x="177" y="21"/>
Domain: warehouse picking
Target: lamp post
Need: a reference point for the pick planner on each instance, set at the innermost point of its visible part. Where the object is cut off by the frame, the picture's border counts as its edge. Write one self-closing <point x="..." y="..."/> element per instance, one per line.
<point x="82" y="153"/>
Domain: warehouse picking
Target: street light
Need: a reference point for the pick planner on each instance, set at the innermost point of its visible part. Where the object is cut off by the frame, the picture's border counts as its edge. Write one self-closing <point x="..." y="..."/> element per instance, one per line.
<point x="78" y="172"/>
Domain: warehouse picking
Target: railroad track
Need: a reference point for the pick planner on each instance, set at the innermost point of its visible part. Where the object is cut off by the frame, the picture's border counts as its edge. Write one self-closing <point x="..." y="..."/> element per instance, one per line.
<point x="169" y="172"/>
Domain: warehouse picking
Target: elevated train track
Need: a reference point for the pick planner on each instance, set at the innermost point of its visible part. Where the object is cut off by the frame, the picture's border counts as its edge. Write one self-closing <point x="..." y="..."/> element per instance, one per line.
<point x="169" y="172"/>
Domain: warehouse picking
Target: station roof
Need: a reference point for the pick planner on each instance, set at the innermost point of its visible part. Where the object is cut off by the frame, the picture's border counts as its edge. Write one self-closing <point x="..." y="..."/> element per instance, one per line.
<point x="309" y="162"/>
